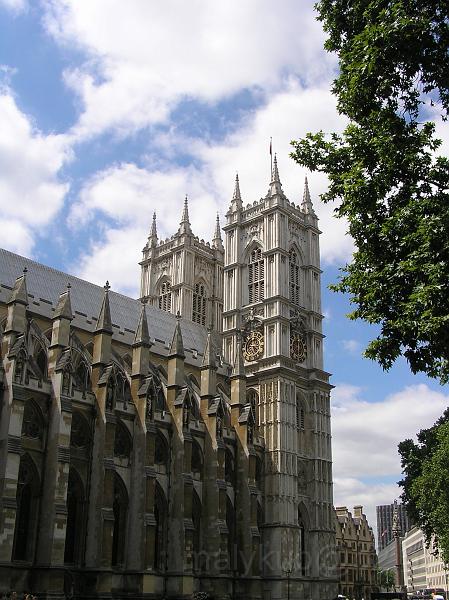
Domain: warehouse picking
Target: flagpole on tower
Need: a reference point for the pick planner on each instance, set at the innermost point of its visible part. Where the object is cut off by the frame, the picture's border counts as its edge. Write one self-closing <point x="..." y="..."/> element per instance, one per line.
<point x="271" y="157"/>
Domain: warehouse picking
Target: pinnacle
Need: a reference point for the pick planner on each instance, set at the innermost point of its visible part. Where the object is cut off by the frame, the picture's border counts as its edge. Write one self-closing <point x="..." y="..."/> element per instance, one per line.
<point x="238" y="370"/>
<point x="104" y="323"/>
<point x="184" y="226"/>
<point x="153" y="231"/>
<point x="307" y="206"/>
<point x="217" y="241"/>
<point x="64" y="306"/>
<point x="177" y="345"/>
<point x="236" y="202"/>
<point x="142" y="337"/>
<point x="209" y="359"/>
<point x="275" y="184"/>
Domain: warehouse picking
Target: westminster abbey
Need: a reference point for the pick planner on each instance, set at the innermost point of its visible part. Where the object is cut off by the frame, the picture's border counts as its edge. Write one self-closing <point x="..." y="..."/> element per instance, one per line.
<point x="179" y="443"/>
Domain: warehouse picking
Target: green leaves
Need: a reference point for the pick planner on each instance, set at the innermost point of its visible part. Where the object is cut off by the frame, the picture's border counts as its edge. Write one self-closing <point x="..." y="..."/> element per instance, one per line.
<point x="384" y="175"/>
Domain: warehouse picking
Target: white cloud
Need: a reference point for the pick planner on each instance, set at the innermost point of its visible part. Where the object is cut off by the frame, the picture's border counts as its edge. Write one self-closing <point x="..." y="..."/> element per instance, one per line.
<point x="365" y="439"/>
<point x="16" y="6"/>
<point x="352" y="346"/>
<point x="152" y="55"/>
<point x="30" y="192"/>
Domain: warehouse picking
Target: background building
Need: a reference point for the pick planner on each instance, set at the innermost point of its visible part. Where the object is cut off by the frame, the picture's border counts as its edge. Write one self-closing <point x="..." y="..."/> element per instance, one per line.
<point x="356" y="553"/>
<point x="423" y="568"/>
<point x="385" y="515"/>
<point x="142" y="453"/>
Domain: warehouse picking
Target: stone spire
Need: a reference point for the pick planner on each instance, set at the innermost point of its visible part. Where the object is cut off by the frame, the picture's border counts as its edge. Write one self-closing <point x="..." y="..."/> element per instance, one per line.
<point x="236" y="202"/>
<point x="184" y="226"/>
<point x="177" y="345"/>
<point x="152" y="238"/>
<point x="104" y="323"/>
<point x="142" y="337"/>
<point x="275" y="185"/>
<point x="217" y="241"/>
<point x="306" y="205"/>
<point x="64" y="306"/>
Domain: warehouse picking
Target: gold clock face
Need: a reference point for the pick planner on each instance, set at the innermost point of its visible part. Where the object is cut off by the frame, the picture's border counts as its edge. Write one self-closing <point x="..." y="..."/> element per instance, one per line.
<point x="253" y="346"/>
<point x="298" y="349"/>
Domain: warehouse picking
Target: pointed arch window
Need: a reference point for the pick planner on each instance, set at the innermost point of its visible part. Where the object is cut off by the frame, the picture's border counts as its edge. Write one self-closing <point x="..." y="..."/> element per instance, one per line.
<point x="301" y="544"/>
<point x="122" y="441"/>
<point x="295" y="287"/>
<point x="32" y="423"/>
<point x="41" y="361"/>
<point x="196" y="520"/>
<point x="75" y="519"/>
<point x="256" y="276"/>
<point x="253" y="399"/>
<point x="199" y="304"/>
<point x="165" y="296"/>
<point x="120" y="510"/>
<point x="160" y="516"/>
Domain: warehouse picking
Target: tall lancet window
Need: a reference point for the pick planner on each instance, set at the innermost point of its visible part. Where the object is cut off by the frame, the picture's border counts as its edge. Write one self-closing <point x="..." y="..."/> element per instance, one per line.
<point x="256" y="273"/>
<point x="294" y="278"/>
<point x="199" y="304"/>
<point x="165" y="297"/>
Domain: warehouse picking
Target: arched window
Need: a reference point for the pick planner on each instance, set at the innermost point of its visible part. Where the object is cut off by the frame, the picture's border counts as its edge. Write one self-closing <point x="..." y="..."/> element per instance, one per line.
<point x="27" y="510"/>
<point x="199" y="304"/>
<point x="160" y="450"/>
<point x="79" y="433"/>
<point x="75" y="519"/>
<point x="122" y="441"/>
<point x="82" y="377"/>
<point x="229" y="467"/>
<point x="256" y="274"/>
<point x="160" y="516"/>
<point x="120" y="510"/>
<point x="165" y="296"/>
<point x="197" y="460"/>
<point x="259" y="472"/>
<point x="32" y="423"/>
<point x="300" y="414"/>
<point x="253" y="399"/>
<point x="294" y="277"/>
<point x="41" y="361"/>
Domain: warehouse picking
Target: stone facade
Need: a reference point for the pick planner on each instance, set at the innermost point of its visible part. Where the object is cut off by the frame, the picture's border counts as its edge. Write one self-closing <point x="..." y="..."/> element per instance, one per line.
<point x="145" y="456"/>
<point x="356" y="553"/>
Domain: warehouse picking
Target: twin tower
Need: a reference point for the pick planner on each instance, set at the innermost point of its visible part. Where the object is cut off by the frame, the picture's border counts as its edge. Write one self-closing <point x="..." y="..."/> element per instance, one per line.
<point x="261" y="289"/>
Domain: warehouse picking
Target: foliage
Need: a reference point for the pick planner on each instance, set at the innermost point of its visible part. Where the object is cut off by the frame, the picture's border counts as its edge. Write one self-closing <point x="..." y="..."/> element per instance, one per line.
<point x="425" y="493"/>
<point x="386" y="579"/>
<point x="385" y="175"/>
<point x="200" y="596"/>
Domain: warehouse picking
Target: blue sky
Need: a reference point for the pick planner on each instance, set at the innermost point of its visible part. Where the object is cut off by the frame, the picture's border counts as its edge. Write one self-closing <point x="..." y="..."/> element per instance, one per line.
<point x="110" y="110"/>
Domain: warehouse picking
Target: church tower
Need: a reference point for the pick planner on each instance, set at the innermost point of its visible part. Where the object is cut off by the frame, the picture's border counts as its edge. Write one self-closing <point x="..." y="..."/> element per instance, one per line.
<point x="272" y="302"/>
<point x="184" y="273"/>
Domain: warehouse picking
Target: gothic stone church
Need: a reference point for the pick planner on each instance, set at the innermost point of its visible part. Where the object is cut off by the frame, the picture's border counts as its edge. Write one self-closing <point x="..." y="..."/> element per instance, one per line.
<point x="180" y="443"/>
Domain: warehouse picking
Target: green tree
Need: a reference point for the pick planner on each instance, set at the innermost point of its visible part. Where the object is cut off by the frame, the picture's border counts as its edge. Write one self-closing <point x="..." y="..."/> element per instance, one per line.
<point x="386" y="579"/>
<point x="425" y="466"/>
<point x="385" y="175"/>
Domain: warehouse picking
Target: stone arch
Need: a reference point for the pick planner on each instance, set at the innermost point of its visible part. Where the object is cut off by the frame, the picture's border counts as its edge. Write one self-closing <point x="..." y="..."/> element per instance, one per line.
<point x="80" y="433"/>
<point x="75" y="530"/>
<point x="27" y="512"/>
<point x="164" y="294"/>
<point x="161" y="451"/>
<point x="120" y="510"/>
<point x="229" y="467"/>
<point x="161" y="518"/>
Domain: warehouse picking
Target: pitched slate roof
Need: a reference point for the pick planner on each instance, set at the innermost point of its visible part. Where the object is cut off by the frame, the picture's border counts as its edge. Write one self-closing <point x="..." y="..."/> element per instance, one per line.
<point x="46" y="284"/>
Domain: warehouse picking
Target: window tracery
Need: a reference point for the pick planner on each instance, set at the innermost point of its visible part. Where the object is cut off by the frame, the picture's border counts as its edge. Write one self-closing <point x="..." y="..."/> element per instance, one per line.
<point x="165" y="296"/>
<point x="199" y="304"/>
<point x="294" y="277"/>
<point x="256" y="274"/>
<point x="122" y="442"/>
<point x="32" y="425"/>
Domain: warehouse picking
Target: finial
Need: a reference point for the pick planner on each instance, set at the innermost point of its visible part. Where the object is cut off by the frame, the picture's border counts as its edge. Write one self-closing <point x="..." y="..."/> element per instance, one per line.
<point x="69" y="286"/>
<point x="104" y="322"/>
<point x="25" y="270"/>
<point x="178" y="315"/>
<point x="184" y="226"/>
<point x="106" y="286"/>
